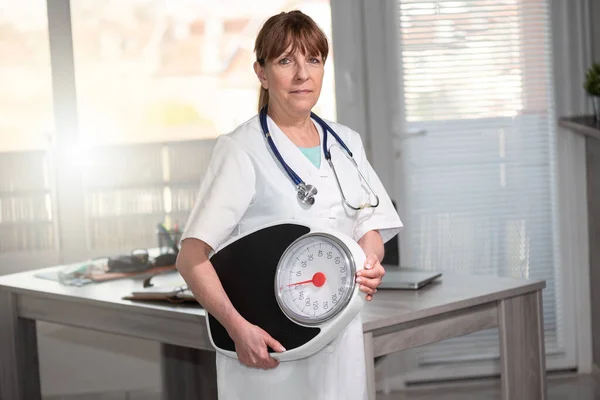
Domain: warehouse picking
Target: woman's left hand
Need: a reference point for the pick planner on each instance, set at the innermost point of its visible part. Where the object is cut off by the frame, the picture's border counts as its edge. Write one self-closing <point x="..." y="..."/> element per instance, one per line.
<point x="370" y="277"/>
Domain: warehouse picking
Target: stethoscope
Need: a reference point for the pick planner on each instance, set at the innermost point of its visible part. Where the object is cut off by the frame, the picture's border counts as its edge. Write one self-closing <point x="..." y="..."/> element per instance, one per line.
<point x="305" y="192"/>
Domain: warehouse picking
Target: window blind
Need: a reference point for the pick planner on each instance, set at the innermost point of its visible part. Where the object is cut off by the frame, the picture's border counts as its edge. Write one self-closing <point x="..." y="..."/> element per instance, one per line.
<point x="480" y="192"/>
<point x="130" y="188"/>
<point x="26" y="218"/>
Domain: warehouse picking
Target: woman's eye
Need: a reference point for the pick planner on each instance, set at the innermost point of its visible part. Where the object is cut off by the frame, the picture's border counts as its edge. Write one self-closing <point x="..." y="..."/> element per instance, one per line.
<point x="314" y="60"/>
<point x="284" y="61"/>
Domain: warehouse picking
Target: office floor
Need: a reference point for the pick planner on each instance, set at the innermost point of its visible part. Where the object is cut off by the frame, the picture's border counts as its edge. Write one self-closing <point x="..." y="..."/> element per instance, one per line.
<point x="560" y="387"/>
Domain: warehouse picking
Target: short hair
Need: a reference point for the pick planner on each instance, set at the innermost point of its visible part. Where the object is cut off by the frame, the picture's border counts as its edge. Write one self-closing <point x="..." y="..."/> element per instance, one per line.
<point x="282" y="30"/>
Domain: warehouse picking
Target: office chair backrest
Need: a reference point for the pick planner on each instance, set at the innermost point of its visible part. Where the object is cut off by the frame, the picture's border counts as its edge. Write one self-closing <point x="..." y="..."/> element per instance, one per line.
<point x="392" y="249"/>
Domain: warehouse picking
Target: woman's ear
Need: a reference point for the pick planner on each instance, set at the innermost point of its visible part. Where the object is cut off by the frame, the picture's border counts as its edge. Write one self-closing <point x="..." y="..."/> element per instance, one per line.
<point x="260" y="73"/>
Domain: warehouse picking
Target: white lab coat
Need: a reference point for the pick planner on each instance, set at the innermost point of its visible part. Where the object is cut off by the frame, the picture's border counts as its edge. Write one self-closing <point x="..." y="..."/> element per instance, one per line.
<point x="246" y="187"/>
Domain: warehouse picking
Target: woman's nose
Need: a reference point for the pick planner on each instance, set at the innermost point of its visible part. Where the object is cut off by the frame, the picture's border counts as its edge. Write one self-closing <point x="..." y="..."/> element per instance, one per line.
<point x="301" y="71"/>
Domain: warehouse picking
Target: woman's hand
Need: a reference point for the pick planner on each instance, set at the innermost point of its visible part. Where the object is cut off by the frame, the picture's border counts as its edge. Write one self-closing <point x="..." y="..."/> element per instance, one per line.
<point x="370" y="277"/>
<point x="251" y="346"/>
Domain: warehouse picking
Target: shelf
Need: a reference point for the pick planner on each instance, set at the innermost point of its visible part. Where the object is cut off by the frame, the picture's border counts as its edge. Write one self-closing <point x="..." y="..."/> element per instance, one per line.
<point x="586" y="125"/>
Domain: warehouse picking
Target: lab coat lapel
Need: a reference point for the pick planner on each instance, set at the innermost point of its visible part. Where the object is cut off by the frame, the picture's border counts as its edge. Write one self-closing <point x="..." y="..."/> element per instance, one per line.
<point x="294" y="158"/>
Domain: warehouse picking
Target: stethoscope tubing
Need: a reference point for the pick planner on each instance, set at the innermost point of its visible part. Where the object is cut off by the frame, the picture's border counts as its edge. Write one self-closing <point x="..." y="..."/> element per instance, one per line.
<point x="326" y="129"/>
<point x="306" y="192"/>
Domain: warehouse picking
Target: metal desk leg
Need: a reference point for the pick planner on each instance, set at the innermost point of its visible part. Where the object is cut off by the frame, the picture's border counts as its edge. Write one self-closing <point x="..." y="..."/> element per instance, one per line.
<point x="370" y="361"/>
<point x="19" y="366"/>
<point x="522" y="354"/>
<point x="188" y="374"/>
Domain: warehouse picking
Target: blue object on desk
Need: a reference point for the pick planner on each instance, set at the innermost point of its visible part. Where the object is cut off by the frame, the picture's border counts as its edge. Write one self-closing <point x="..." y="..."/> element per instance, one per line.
<point x="165" y="236"/>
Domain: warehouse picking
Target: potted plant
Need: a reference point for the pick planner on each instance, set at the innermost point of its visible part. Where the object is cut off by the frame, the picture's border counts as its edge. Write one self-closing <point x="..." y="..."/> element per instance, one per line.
<point x="592" y="87"/>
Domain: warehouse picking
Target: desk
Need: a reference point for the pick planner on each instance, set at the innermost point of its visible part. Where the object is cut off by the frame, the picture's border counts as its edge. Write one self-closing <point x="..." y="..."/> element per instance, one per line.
<point x="394" y="321"/>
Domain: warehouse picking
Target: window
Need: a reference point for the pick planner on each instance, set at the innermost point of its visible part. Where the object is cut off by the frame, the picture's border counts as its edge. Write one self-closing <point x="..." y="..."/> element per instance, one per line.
<point x="157" y="81"/>
<point x="26" y="126"/>
<point x="480" y="197"/>
<point x="468" y="60"/>
<point x="156" y="71"/>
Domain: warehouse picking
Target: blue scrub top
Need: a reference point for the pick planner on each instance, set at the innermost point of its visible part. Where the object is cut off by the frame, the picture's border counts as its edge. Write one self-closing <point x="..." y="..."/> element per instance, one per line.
<point x="313" y="154"/>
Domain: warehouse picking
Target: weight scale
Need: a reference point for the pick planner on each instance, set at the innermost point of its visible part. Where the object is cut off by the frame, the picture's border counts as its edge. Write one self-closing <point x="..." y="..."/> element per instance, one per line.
<point x="295" y="282"/>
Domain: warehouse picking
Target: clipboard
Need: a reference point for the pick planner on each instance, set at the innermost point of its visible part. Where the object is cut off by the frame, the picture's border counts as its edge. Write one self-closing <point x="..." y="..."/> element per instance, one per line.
<point x="170" y="293"/>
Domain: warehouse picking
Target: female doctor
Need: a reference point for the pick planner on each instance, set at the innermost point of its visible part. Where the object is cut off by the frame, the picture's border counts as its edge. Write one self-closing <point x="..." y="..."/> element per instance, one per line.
<point x="247" y="186"/>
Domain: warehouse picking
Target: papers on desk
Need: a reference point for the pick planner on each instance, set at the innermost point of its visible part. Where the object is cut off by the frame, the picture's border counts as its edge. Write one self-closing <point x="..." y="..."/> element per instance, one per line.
<point x="91" y="271"/>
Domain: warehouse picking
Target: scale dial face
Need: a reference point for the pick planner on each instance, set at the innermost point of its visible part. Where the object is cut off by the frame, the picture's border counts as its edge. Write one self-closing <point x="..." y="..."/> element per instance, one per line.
<point x="315" y="279"/>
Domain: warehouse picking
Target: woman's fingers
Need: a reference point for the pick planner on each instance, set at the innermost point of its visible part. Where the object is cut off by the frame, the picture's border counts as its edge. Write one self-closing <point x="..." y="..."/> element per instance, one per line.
<point x="367" y="289"/>
<point x="371" y="280"/>
<point x="370" y="276"/>
<point x="371" y="261"/>
<point x="376" y="272"/>
<point x="274" y="344"/>
<point x="370" y="283"/>
<point x="267" y="361"/>
<point x="251" y="347"/>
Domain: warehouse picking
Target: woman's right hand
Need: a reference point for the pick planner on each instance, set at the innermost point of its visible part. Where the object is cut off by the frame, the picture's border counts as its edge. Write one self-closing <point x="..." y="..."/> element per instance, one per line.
<point x="251" y="346"/>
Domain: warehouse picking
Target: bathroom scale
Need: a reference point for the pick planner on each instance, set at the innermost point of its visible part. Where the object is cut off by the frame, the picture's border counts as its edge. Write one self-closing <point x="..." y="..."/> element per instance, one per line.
<point x="295" y="281"/>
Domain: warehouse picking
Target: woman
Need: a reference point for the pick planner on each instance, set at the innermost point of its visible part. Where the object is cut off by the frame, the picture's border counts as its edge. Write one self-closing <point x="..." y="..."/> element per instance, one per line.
<point x="246" y="187"/>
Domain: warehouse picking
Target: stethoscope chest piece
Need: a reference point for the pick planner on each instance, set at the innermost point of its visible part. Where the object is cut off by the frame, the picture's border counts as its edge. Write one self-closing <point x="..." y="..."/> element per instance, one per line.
<point x="306" y="194"/>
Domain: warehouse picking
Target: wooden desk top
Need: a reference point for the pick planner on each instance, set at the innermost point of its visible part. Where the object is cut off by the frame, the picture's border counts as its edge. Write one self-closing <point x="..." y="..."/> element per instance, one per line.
<point x="452" y="292"/>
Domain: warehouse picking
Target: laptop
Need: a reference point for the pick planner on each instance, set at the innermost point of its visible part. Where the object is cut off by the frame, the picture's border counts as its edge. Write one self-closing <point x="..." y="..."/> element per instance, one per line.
<point x="406" y="278"/>
<point x="397" y="277"/>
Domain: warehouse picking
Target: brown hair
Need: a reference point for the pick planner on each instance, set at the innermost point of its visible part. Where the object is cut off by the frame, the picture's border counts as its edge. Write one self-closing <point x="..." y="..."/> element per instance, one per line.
<point x="282" y="30"/>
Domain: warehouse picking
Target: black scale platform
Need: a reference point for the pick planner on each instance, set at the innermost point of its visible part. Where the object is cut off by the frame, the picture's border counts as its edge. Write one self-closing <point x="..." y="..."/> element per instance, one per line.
<point x="247" y="269"/>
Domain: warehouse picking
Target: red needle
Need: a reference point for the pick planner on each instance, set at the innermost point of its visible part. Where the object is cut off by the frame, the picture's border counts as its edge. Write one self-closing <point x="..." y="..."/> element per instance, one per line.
<point x="318" y="280"/>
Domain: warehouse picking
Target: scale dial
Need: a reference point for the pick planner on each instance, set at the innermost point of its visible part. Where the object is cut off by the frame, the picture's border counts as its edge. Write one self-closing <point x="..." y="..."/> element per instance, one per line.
<point x="315" y="279"/>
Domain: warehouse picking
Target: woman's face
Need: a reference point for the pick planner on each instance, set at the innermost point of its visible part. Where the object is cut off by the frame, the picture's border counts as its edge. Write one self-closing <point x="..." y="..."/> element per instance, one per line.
<point x="293" y="80"/>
